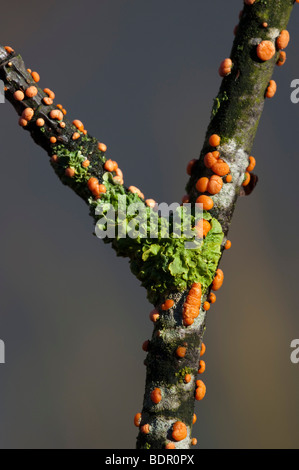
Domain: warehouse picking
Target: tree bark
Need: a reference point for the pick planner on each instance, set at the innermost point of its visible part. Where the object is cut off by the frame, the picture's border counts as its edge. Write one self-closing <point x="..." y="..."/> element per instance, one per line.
<point x="235" y="116"/>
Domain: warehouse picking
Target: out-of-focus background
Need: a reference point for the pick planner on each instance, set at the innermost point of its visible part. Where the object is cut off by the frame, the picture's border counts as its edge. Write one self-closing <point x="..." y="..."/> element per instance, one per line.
<point x="142" y="76"/>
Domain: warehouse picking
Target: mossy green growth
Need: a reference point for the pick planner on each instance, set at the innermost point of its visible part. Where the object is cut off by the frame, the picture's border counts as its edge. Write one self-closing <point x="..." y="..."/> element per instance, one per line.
<point x="163" y="255"/>
<point x="73" y="159"/>
<point x="181" y="374"/>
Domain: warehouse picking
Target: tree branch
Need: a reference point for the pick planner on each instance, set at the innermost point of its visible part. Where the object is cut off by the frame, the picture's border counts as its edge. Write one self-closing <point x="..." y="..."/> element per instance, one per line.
<point x="178" y="280"/>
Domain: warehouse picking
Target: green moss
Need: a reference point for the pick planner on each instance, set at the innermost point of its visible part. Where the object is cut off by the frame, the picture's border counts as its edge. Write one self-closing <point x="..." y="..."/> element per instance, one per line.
<point x="181" y="374"/>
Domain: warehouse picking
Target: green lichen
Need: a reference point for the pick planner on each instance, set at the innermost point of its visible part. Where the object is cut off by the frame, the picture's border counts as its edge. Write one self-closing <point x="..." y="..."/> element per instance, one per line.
<point x="181" y="374"/>
<point x="163" y="262"/>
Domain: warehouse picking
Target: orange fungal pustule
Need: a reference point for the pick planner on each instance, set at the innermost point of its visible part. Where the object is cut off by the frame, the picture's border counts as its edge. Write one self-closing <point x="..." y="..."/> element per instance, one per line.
<point x="202" y="349"/>
<point x="181" y="351"/>
<point x="271" y="90"/>
<point x="170" y="445"/>
<point x="249" y="2"/>
<point x="47" y="100"/>
<point x="179" y="431"/>
<point x="201" y="367"/>
<point x="79" y="125"/>
<point x="227" y="245"/>
<point x="56" y="114"/>
<point x="137" y="191"/>
<point x="252" y="163"/>
<point x="246" y="179"/>
<point x="225" y="68"/>
<point x="202" y="184"/>
<point x="137" y="419"/>
<point x="187" y="378"/>
<point x="154" y="315"/>
<point x="193" y="441"/>
<point x="200" y="390"/>
<point x="35" y="76"/>
<point x="9" y="49"/>
<point x="265" y="50"/>
<point x="23" y="122"/>
<point x="206" y="201"/>
<point x="194" y="419"/>
<point x="167" y="304"/>
<point x="215" y="184"/>
<point x="228" y="178"/>
<point x="28" y="114"/>
<point x="209" y="160"/>
<point x="40" y="122"/>
<point x="206" y="306"/>
<point x="31" y="91"/>
<point x="18" y="95"/>
<point x="202" y="227"/>
<point x="145" y="429"/>
<point x="102" y="147"/>
<point x="214" y="140"/>
<point x="281" y="58"/>
<point x="156" y="395"/>
<point x="220" y="168"/>
<point x="218" y="280"/>
<point x="150" y="203"/>
<point x="212" y="298"/>
<point x="283" y="39"/>
<point x="70" y="172"/>
<point x="50" y="93"/>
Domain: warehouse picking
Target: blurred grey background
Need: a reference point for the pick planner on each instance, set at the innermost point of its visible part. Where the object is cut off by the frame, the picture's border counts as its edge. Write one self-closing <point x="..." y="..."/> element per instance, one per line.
<point x="142" y="76"/>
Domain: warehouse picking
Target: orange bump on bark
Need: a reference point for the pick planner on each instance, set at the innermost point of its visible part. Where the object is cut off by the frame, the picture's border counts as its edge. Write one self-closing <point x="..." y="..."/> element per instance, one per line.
<point x="206" y="201"/>
<point x="56" y="114"/>
<point x="228" y="245"/>
<point x="212" y="298"/>
<point x="156" y="396"/>
<point x="50" y="93"/>
<point x="40" y="122"/>
<point x="145" y="429"/>
<point x="247" y="179"/>
<point x="218" y="280"/>
<point x="215" y="184"/>
<point x="145" y="345"/>
<point x="70" y="172"/>
<point x="203" y="227"/>
<point x="265" y="24"/>
<point x="190" y="166"/>
<point x="79" y="125"/>
<point x="200" y="391"/>
<point x="194" y="441"/>
<point x="185" y="199"/>
<point x="109" y="165"/>
<point x="214" y="140"/>
<point x="154" y="315"/>
<point x="265" y="50"/>
<point x="53" y="140"/>
<point x="28" y="114"/>
<point x="75" y="135"/>
<point x="206" y="306"/>
<point x="179" y="431"/>
<point x="170" y="445"/>
<point x="181" y="351"/>
<point x="102" y="147"/>
<point x="48" y="101"/>
<point x="252" y="163"/>
<point x="202" y="349"/>
<point x="23" y="122"/>
<point x="31" y="91"/>
<point x="19" y="95"/>
<point x="228" y="179"/>
<point x="225" y="69"/>
<point x="220" y="168"/>
<point x="282" y="58"/>
<point x="167" y="304"/>
<point x="194" y="418"/>
<point x="249" y="2"/>
<point x="137" y="419"/>
<point x="271" y="90"/>
<point x="201" y="367"/>
<point x="86" y="163"/>
<point x="187" y="378"/>
<point x="210" y="160"/>
<point x="9" y="49"/>
<point x="62" y="124"/>
<point x="35" y="76"/>
<point x="202" y="184"/>
<point x="150" y="203"/>
<point x="283" y="39"/>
